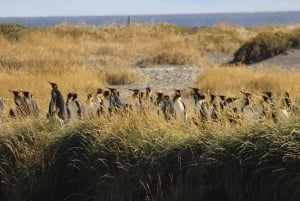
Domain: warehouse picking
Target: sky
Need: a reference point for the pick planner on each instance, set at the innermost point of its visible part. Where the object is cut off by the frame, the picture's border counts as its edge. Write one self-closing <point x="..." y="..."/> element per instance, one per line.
<point x="26" y="8"/>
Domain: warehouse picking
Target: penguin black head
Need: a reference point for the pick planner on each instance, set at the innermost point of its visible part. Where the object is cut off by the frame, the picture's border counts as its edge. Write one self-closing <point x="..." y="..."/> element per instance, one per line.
<point x="194" y="89"/>
<point x="112" y="90"/>
<point x="75" y="95"/>
<point x="247" y="94"/>
<point x="159" y="94"/>
<point x="89" y="96"/>
<point x="135" y="91"/>
<point x="26" y="93"/>
<point x="16" y="93"/>
<point x="148" y="89"/>
<point x="106" y="93"/>
<point x="265" y="98"/>
<point x="197" y="93"/>
<point x="99" y="91"/>
<point x="230" y="100"/>
<point x="54" y="85"/>
<point x="268" y="93"/>
<point x="287" y="94"/>
<point x="70" y="95"/>
<point x="177" y="92"/>
<point x="222" y="97"/>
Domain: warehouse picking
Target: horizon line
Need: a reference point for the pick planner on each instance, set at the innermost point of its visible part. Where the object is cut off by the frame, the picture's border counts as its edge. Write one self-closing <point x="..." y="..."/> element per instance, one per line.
<point x="153" y="14"/>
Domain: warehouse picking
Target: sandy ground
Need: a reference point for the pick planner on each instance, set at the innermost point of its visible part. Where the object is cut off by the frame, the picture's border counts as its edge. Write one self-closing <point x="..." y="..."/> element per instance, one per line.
<point x="163" y="79"/>
<point x="290" y="60"/>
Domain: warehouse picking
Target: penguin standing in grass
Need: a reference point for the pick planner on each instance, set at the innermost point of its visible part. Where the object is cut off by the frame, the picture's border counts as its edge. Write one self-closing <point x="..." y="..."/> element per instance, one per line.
<point x="98" y="102"/>
<point x="106" y="95"/>
<point x="89" y="107"/>
<point x="167" y="107"/>
<point x="74" y="106"/>
<point x="1" y="109"/>
<point x="148" y="100"/>
<point x="78" y="105"/>
<point x="159" y="101"/>
<point x="223" y="102"/>
<point x="116" y="104"/>
<point x="269" y="107"/>
<point x="179" y="106"/>
<point x="31" y="103"/>
<point x="57" y="103"/>
<point x="135" y="102"/>
<point x="200" y="104"/>
<point x="287" y="108"/>
<point x="232" y="114"/>
<point x="214" y="108"/>
<point x="69" y="107"/>
<point x="246" y="102"/>
<point x="22" y="109"/>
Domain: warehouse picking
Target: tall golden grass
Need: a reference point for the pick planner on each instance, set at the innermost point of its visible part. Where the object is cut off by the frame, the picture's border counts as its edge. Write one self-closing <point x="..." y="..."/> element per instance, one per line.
<point x="232" y="80"/>
<point x="141" y="157"/>
<point x="83" y="58"/>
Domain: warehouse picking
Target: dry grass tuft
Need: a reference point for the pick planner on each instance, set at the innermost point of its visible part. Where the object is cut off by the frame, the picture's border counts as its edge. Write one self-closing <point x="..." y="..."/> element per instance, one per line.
<point x="233" y="79"/>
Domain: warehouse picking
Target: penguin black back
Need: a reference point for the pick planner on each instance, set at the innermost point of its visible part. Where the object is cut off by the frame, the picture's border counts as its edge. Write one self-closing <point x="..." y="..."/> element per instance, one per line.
<point x="57" y="103"/>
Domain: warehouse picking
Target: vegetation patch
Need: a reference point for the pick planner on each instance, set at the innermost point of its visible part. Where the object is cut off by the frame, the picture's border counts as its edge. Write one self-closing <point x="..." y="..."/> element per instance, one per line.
<point x="12" y="31"/>
<point x="121" y="76"/>
<point x="144" y="159"/>
<point x="264" y="46"/>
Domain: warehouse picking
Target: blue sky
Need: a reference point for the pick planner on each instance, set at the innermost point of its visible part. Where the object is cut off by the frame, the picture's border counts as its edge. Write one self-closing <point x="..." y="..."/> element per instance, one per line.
<point x="21" y="8"/>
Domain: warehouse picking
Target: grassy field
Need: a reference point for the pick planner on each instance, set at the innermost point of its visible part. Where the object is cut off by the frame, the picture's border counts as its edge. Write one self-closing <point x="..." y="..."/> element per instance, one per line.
<point x="142" y="157"/>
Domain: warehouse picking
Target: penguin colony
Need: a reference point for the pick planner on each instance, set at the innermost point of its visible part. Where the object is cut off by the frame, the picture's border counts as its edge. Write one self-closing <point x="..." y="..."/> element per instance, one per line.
<point x="207" y="107"/>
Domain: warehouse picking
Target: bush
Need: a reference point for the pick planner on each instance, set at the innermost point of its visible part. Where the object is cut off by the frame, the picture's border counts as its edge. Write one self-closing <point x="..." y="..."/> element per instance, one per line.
<point x="12" y="31"/>
<point x="264" y="46"/>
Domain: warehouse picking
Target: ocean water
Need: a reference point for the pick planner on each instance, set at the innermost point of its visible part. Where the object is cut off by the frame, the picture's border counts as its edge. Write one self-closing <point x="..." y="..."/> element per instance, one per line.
<point x="190" y="20"/>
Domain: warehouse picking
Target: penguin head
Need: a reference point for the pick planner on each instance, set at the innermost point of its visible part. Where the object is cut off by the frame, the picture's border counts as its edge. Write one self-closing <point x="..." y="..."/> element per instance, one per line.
<point x="222" y="97"/>
<point x="99" y="91"/>
<point x="230" y="100"/>
<point x="106" y="93"/>
<point x="70" y="96"/>
<point x="247" y="94"/>
<point x="148" y="90"/>
<point x="53" y="85"/>
<point x="286" y="94"/>
<point x="75" y="95"/>
<point x="112" y="90"/>
<point x="89" y="96"/>
<point x="16" y="93"/>
<point x="135" y="92"/>
<point x="268" y="93"/>
<point x="142" y="94"/>
<point x="177" y="92"/>
<point x="26" y="94"/>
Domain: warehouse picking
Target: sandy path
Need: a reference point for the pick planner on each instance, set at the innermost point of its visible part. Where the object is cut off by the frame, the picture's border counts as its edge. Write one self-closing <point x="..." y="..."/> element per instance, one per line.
<point x="164" y="78"/>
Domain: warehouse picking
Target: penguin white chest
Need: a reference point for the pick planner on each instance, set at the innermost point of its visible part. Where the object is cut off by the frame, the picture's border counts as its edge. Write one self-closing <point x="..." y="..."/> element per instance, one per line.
<point x="179" y="107"/>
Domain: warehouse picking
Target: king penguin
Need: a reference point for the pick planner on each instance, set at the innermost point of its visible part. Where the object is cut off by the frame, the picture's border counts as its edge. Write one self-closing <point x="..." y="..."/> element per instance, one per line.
<point x="179" y="106"/>
<point x="135" y="101"/>
<point x="31" y="103"/>
<point x="200" y="104"/>
<point x="22" y="108"/>
<point x="57" y="103"/>
<point x="89" y="108"/>
<point x="116" y="103"/>
<point x="1" y="109"/>
<point x="269" y="106"/>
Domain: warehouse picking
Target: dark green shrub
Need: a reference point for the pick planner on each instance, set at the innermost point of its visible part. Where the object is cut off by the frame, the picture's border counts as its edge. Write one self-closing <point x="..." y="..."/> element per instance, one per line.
<point x="12" y="31"/>
<point x="264" y="46"/>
